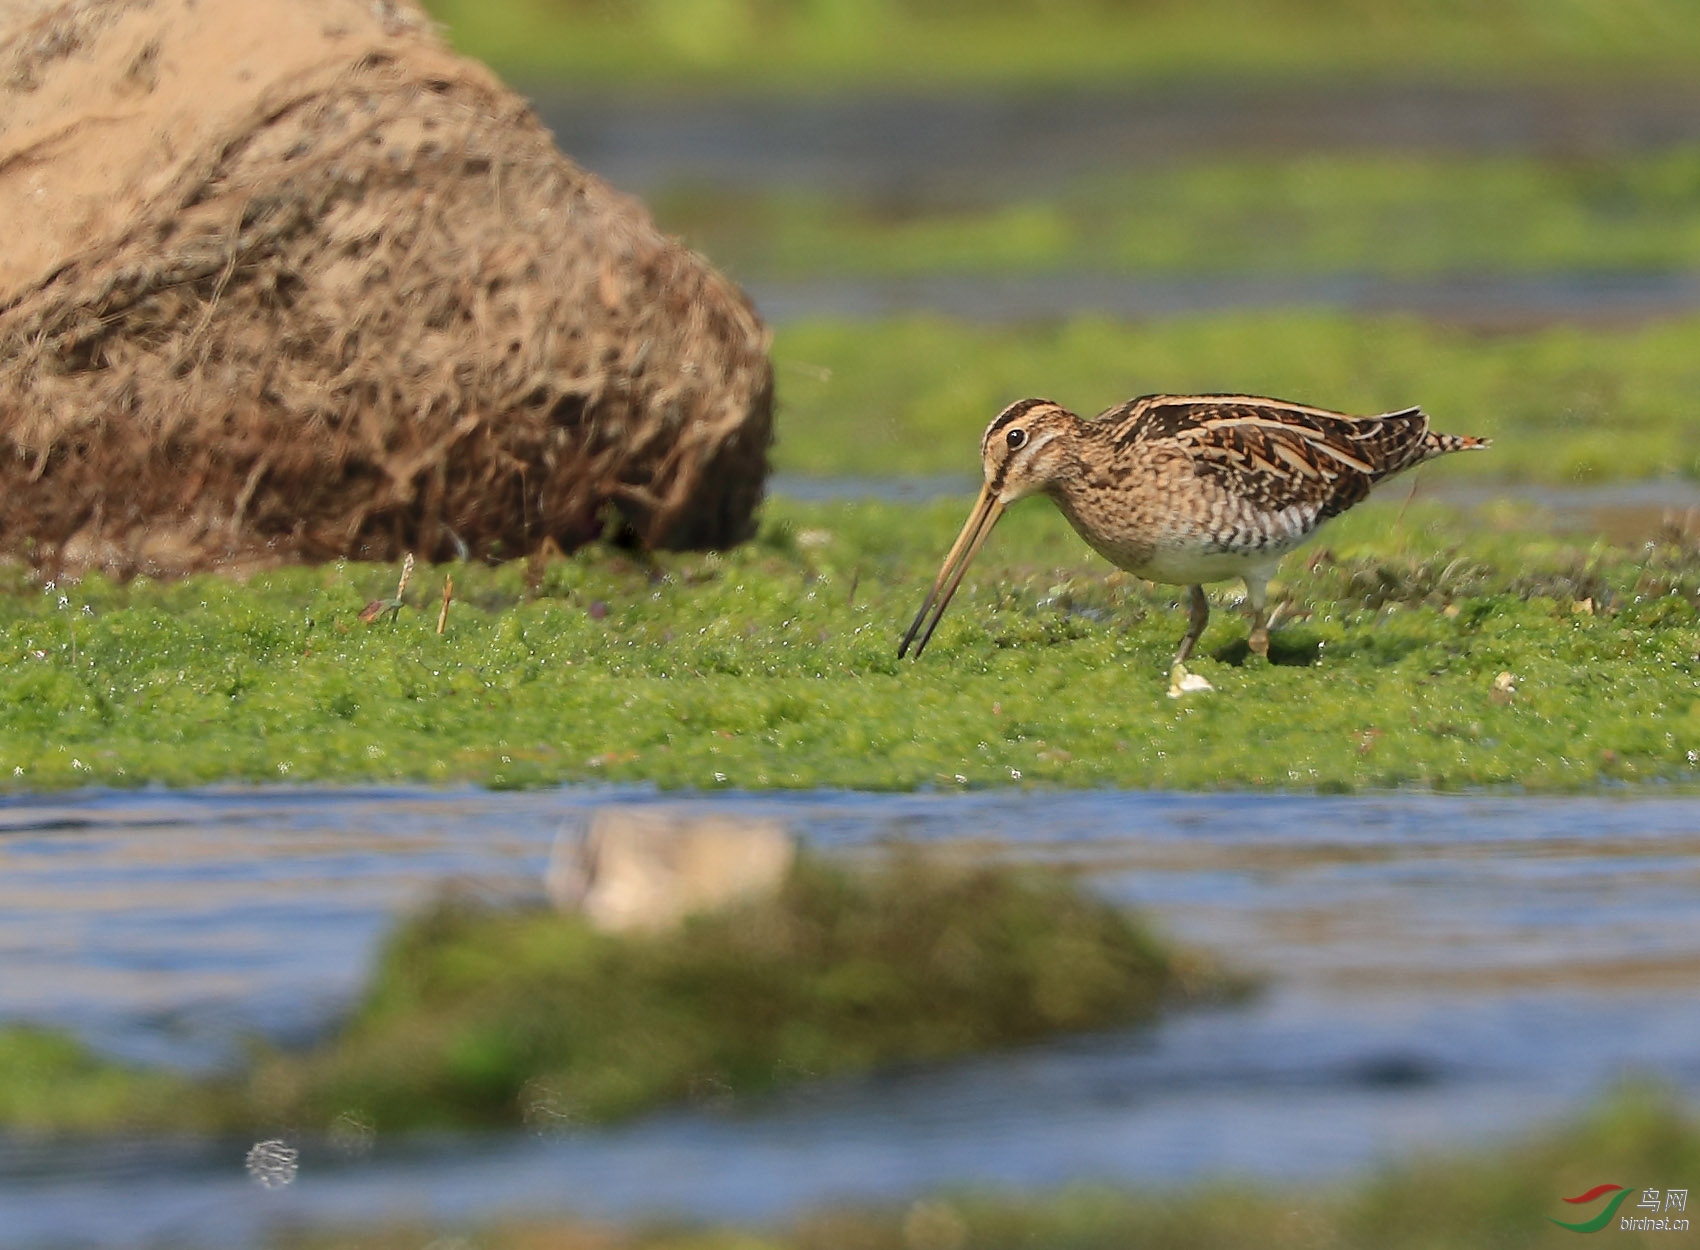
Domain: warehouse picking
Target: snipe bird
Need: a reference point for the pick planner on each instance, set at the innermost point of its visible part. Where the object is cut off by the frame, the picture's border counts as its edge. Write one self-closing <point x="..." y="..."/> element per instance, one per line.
<point x="1186" y="489"/>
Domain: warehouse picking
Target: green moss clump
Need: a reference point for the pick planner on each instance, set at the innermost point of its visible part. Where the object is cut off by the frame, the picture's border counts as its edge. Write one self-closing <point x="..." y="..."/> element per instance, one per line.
<point x="489" y="1017"/>
<point x="51" y="1083"/>
<point x="485" y="1017"/>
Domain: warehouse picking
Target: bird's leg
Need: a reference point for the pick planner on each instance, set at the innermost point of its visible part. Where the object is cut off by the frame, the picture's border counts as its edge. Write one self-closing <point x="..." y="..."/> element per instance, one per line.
<point x="1199" y="616"/>
<point x="1180" y="681"/>
<point x="1258" y="641"/>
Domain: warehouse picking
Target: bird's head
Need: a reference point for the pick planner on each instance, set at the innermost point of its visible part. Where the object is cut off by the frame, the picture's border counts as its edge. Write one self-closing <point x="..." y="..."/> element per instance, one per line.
<point x="1023" y="451"/>
<point x="1026" y="448"/>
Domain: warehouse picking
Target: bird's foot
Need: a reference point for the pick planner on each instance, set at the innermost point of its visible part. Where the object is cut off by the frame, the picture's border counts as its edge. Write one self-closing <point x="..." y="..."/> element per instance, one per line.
<point x="1182" y="682"/>
<point x="1258" y="642"/>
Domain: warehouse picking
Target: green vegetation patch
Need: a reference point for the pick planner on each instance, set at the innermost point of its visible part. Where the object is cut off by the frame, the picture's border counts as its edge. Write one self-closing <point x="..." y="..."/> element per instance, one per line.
<point x="478" y="1016"/>
<point x="776" y="666"/>
<point x="51" y="1083"/>
<point x="1306" y="214"/>
<point x="1565" y="405"/>
<point x="819" y="44"/>
<point x="1505" y="1198"/>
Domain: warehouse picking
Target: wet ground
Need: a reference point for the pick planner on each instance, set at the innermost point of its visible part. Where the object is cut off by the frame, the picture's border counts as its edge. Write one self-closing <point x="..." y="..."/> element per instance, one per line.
<point x="1440" y="972"/>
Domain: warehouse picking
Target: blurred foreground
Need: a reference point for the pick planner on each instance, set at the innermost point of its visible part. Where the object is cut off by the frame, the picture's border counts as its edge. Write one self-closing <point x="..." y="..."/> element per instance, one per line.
<point x="1439" y="974"/>
<point x="1510" y="1199"/>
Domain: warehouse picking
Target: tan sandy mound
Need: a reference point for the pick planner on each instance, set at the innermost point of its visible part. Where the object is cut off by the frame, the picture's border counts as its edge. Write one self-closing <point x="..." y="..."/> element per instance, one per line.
<point x="287" y="279"/>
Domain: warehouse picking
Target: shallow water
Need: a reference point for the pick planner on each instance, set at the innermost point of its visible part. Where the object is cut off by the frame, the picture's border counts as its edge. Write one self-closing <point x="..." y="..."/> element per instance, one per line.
<point x="1441" y="970"/>
<point x="1500" y="302"/>
<point x="997" y="145"/>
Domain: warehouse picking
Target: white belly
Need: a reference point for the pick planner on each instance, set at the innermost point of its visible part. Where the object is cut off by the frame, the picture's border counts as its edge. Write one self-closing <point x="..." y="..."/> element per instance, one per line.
<point x="1195" y="564"/>
<point x="1193" y="568"/>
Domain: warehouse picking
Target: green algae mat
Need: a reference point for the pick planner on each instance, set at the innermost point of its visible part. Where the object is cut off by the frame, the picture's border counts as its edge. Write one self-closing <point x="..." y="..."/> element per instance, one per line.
<point x="756" y="44"/>
<point x="1419" y="647"/>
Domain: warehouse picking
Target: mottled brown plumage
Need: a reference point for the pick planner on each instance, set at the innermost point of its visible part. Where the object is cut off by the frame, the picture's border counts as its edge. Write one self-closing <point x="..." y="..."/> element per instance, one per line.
<point x="1186" y="489"/>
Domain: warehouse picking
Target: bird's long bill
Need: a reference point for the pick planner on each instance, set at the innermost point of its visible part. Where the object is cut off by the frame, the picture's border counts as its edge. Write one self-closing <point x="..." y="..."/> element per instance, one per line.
<point x="987" y="509"/>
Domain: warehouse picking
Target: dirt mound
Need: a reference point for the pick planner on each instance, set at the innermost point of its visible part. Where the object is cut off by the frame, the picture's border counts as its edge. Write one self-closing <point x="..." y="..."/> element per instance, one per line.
<point x="287" y="279"/>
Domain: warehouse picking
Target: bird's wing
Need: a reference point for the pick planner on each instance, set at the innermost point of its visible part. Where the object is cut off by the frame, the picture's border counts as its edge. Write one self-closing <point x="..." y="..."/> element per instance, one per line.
<point x="1273" y="453"/>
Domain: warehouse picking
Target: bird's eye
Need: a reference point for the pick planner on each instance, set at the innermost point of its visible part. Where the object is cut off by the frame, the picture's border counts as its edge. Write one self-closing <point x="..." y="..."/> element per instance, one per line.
<point x="1017" y="439"/>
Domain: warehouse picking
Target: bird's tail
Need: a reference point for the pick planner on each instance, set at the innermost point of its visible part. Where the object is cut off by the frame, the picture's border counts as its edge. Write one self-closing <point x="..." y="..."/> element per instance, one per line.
<point x="1441" y="444"/>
